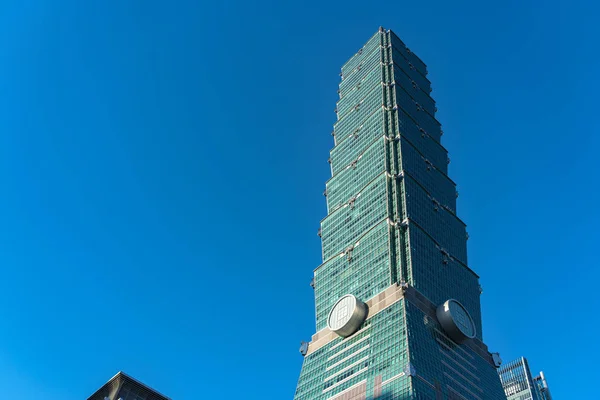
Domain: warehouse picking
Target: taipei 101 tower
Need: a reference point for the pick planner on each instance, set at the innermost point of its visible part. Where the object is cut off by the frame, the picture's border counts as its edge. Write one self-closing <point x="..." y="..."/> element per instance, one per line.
<point x="397" y="306"/>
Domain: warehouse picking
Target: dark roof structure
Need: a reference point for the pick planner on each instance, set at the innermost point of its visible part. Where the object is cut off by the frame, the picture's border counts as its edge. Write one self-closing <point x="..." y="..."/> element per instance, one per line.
<point x="120" y="385"/>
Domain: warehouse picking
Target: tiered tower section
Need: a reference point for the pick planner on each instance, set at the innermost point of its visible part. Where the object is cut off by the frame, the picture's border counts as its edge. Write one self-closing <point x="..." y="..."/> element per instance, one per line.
<point x="393" y="241"/>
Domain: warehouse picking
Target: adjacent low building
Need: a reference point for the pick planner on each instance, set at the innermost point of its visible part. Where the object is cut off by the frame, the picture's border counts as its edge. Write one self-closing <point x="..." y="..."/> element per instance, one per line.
<point x="519" y="383"/>
<point x="124" y="387"/>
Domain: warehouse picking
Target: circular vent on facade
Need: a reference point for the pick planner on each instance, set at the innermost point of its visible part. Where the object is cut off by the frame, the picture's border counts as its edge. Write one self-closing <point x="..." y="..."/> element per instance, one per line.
<point x="456" y="321"/>
<point x="346" y="315"/>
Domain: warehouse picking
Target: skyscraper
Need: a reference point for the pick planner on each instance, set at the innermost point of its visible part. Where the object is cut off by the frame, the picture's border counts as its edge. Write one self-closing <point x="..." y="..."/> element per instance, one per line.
<point x="541" y="387"/>
<point x="123" y="387"/>
<point x="519" y="384"/>
<point x="397" y="306"/>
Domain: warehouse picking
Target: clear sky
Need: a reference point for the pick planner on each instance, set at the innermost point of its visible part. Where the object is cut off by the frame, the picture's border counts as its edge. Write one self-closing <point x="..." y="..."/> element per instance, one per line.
<point x="162" y="167"/>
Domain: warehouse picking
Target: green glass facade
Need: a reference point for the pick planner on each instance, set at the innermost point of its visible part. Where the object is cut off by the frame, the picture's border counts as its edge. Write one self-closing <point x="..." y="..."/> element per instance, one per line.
<point x="393" y="240"/>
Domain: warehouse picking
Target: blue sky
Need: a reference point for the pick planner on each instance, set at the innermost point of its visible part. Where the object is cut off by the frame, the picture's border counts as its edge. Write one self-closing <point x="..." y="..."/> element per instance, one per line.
<point x="163" y="164"/>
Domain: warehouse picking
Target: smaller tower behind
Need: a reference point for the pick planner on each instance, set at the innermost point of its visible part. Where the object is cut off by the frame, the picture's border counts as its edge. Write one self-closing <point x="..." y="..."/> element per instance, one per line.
<point x="541" y="386"/>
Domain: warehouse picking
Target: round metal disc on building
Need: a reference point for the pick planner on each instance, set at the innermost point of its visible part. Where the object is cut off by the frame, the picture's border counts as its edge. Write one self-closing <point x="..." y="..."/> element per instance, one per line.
<point x="346" y="315"/>
<point x="456" y="321"/>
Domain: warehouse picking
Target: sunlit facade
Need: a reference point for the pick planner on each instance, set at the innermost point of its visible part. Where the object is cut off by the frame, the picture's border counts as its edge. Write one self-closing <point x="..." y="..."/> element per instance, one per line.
<point x="393" y="245"/>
